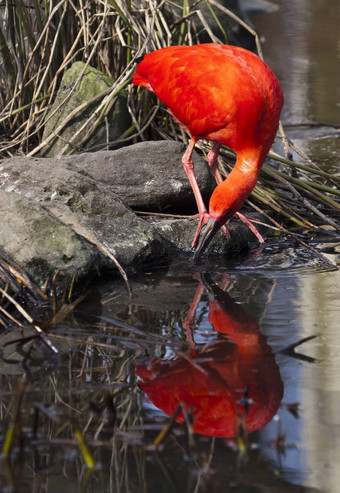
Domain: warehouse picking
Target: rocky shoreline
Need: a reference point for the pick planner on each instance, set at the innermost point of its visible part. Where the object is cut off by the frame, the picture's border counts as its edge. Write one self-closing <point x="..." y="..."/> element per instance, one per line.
<point x="76" y="214"/>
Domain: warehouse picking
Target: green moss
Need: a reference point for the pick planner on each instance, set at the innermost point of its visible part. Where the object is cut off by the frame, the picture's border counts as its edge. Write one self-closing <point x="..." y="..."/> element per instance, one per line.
<point x="39" y="268"/>
<point x="56" y="241"/>
<point x="78" y="204"/>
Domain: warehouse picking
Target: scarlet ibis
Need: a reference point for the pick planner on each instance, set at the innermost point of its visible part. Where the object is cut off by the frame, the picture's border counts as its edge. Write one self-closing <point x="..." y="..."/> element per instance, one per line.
<point x="225" y="94"/>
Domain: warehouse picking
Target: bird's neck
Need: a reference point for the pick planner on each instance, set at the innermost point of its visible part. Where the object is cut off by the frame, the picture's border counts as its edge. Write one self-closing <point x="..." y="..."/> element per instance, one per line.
<point x="242" y="179"/>
<point x="251" y="160"/>
<point x="230" y="195"/>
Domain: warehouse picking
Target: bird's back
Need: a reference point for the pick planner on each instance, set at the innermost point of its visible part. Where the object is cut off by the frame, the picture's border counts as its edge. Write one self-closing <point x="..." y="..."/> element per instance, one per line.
<point x="219" y="92"/>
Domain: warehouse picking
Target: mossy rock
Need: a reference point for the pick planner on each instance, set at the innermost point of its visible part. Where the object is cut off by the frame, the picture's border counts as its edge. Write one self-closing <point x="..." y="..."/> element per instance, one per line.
<point x="92" y="83"/>
<point x="41" y="244"/>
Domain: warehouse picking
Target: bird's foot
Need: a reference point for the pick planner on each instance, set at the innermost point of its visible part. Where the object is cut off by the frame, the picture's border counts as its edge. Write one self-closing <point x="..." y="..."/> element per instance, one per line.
<point x="203" y="219"/>
<point x="251" y="226"/>
<point x="226" y="231"/>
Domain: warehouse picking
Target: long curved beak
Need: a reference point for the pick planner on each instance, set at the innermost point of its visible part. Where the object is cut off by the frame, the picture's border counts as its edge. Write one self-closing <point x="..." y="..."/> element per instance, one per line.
<point x="211" y="229"/>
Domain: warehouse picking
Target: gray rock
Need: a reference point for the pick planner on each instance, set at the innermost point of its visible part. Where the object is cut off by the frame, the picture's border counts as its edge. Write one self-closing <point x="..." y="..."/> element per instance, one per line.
<point x="148" y="176"/>
<point x="57" y="213"/>
<point x="92" y="83"/>
<point x="68" y="213"/>
<point x="40" y="243"/>
<point x="180" y="233"/>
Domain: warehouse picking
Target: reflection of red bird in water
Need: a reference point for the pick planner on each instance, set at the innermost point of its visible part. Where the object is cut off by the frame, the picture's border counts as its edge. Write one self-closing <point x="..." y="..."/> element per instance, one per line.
<point x="231" y="377"/>
<point x="225" y="94"/>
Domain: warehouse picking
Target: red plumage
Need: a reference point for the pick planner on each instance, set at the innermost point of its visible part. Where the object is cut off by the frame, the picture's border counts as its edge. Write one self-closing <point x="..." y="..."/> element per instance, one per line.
<point x="225" y="94"/>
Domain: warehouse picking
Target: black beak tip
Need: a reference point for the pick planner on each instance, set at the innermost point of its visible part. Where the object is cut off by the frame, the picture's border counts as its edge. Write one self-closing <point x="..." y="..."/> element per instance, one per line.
<point x="211" y="229"/>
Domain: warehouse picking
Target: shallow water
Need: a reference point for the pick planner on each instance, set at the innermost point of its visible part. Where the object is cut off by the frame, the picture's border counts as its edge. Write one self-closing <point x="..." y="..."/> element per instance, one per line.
<point x="282" y="304"/>
<point x="214" y="337"/>
<point x="301" y="43"/>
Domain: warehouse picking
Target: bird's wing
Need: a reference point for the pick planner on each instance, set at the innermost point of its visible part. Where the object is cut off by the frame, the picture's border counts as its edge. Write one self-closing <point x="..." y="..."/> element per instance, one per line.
<point x="191" y="85"/>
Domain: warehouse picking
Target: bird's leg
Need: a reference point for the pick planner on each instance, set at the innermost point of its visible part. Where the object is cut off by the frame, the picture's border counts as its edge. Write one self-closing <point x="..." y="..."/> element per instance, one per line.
<point x="213" y="162"/>
<point x="252" y="228"/>
<point x="189" y="319"/>
<point x="188" y="165"/>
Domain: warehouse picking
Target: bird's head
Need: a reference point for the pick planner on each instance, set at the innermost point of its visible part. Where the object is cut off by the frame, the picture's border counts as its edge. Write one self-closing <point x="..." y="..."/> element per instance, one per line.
<point x="226" y="200"/>
<point x="211" y="228"/>
<point x="205" y="238"/>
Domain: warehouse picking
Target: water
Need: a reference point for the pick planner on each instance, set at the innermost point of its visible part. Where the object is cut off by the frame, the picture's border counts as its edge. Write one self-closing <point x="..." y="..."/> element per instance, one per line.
<point x="301" y="43"/>
<point x="201" y="333"/>
<point x="238" y="317"/>
<point x="280" y="305"/>
<point x="215" y="337"/>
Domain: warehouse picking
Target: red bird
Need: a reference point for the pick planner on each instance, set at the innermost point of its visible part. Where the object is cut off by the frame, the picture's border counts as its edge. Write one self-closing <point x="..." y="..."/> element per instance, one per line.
<point x="225" y="94"/>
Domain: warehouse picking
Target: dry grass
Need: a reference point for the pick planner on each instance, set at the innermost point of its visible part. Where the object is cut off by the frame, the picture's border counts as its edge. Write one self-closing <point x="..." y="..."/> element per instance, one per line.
<point x="40" y="41"/>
